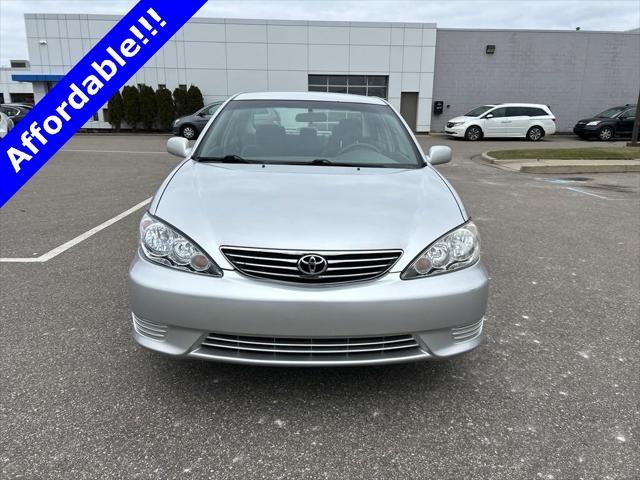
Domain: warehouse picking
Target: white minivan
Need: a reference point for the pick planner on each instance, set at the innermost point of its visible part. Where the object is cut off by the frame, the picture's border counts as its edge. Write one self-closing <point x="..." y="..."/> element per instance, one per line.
<point x="523" y="120"/>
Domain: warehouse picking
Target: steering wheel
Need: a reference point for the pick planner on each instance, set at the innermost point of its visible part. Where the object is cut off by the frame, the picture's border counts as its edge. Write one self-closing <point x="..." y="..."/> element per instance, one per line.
<point x="355" y="146"/>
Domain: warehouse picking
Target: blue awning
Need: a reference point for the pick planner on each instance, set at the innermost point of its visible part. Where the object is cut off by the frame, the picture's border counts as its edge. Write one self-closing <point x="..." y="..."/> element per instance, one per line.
<point x="37" y="77"/>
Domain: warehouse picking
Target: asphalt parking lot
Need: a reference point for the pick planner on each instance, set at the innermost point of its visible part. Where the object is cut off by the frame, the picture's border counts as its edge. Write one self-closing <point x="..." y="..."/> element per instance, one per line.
<point x="552" y="393"/>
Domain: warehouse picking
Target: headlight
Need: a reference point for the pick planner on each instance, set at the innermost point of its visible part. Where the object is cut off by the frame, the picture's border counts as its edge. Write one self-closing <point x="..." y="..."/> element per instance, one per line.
<point x="162" y="244"/>
<point x="455" y="124"/>
<point x="457" y="249"/>
<point x="591" y="124"/>
<point x="176" y="122"/>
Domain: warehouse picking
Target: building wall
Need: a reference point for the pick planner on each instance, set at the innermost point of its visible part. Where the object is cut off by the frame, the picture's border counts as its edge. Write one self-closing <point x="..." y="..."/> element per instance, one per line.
<point x="576" y="73"/>
<point x="8" y="86"/>
<point x="227" y="56"/>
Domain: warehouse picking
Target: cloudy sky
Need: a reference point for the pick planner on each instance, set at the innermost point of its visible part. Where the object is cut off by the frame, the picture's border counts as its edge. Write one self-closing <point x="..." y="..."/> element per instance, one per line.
<point x="539" y="14"/>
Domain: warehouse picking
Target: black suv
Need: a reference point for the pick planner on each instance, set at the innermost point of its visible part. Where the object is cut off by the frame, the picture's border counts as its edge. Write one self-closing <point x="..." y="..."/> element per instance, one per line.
<point x="613" y="121"/>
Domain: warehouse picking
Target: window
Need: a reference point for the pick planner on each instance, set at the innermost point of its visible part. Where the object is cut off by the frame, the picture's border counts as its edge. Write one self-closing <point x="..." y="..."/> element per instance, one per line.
<point x="105" y="114"/>
<point x="305" y="132"/>
<point x="476" y="112"/>
<point x="536" y="112"/>
<point x="161" y="85"/>
<point x="629" y="114"/>
<point x="518" y="111"/>
<point x="18" y="64"/>
<point x="96" y="118"/>
<point x="182" y="86"/>
<point x="498" y="112"/>
<point x="369" y="85"/>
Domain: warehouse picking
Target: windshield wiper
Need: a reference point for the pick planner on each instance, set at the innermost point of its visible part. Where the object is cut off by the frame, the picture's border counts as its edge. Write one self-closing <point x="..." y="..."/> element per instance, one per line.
<point x="225" y="159"/>
<point x="329" y="163"/>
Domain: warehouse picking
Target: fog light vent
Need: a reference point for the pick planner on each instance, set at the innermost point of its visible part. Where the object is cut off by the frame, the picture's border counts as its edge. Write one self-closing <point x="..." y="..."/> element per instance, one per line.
<point x="148" y="329"/>
<point x="467" y="332"/>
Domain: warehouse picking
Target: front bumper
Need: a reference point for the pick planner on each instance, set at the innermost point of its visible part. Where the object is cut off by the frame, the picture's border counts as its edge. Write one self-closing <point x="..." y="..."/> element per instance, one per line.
<point x="176" y="312"/>
<point x="583" y="130"/>
<point x="457" y="131"/>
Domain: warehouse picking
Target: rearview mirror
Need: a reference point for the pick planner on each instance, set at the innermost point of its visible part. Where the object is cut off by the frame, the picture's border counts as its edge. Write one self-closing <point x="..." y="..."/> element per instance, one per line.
<point x="311" y="117"/>
<point x="179" y="147"/>
<point x="489" y="115"/>
<point x="439" y="154"/>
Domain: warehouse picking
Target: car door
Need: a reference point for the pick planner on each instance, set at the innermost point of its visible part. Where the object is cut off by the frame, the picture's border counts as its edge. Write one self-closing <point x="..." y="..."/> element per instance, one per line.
<point x="626" y="121"/>
<point x="495" y="123"/>
<point x="517" y="121"/>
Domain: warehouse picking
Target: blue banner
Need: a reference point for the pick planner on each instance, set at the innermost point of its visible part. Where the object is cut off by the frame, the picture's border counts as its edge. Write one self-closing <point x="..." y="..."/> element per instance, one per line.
<point x="88" y="86"/>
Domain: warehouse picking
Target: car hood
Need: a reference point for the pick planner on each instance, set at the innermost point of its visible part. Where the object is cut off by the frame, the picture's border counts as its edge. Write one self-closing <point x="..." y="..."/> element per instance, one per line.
<point x="595" y="119"/>
<point x="310" y="208"/>
<point x="462" y="119"/>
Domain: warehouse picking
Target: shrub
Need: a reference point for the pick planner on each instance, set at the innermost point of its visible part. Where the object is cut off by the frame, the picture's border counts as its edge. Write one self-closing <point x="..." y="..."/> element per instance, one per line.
<point x="180" y="102"/>
<point x="164" y="105"/>
<point x="195" y="101"/>
<point x="148" y="108"/>
<point x="115" y="109"/>
<point x="131" y="104"/>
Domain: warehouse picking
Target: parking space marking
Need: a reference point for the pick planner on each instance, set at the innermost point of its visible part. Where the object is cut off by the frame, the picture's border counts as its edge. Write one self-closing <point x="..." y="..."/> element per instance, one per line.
<point x="109" y="151"/>
<point x="574" y="189"/>
<point x="80" y="238"/>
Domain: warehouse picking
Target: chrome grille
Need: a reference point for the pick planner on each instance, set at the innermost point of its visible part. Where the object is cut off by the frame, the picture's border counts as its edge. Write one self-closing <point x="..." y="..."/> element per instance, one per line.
<point x="467" y="332"/>
<point x="342" y="266"/>
<point x="149" y="329"/>
<point x="301" y="350"/>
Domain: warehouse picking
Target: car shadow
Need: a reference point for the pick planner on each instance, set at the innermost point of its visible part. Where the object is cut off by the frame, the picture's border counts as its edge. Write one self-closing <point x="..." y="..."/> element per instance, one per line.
<point x="186" y="378"/>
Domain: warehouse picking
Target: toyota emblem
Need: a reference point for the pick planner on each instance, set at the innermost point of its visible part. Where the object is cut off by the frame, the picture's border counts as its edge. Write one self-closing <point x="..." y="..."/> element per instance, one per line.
<point x="312" y="265"/>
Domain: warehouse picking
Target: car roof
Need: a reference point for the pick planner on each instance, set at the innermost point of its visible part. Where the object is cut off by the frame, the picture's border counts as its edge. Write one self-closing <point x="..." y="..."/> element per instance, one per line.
<point x="521" y="105"/>
<point x="311" y="96"/>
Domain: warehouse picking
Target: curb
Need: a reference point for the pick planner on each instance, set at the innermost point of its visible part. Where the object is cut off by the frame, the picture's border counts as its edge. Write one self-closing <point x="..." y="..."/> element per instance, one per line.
<point x="589" y="166"/>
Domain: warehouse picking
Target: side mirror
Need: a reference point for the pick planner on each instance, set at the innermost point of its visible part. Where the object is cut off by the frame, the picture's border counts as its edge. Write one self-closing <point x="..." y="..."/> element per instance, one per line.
<point x="439" y="154"/>
<point x="489" y="115"/>
<point x="179" y="147"/>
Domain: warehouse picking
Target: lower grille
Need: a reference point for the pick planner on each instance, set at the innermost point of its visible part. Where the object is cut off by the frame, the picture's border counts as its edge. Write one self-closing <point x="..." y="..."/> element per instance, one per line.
<point x="467" y="332"/>
<point x="149" y="329"/>
<point x="331" y="266"/>
<point x="310" y="350"/>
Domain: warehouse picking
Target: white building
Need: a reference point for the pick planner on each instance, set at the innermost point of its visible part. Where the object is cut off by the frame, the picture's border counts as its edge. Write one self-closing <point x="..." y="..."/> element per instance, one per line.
<point x="226" y="56"/>
<point x="13" y="91"/>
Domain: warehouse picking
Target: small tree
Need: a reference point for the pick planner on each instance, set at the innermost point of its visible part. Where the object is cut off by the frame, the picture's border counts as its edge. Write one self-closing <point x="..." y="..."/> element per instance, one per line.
<point x="164" y="105"/>
<point x="115" y="109"/>
<point x="131" y="102"/>
<point x="180" y="102"/>
<point x="194" y="99"/>
<point x="148" y="108"/>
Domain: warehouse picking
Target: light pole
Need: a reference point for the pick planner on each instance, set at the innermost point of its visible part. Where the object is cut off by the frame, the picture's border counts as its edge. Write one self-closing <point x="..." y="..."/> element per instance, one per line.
<point x="636" y="126"/>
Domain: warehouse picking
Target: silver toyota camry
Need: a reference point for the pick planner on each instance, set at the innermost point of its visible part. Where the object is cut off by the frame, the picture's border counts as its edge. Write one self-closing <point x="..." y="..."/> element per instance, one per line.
<point x="323" y="236"/>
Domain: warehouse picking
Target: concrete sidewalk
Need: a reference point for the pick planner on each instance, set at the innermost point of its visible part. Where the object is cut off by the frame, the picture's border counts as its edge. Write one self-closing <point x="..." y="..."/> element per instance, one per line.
<point x="564" y="166"/>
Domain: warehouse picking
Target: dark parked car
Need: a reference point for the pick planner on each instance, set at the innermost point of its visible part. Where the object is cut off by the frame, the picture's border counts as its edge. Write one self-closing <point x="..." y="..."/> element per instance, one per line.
<point x="190" y="126"/>
<point x="615" y="121"/>
<point x="15" y="112"/>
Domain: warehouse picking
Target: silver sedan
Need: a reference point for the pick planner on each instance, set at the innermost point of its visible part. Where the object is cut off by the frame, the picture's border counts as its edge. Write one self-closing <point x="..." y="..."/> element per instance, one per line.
<point x="322" y="237"/>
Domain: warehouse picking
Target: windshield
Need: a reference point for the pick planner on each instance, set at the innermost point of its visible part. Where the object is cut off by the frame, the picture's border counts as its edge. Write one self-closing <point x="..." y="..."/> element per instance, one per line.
<point x="309" y="132"/>
<point x="476" y="112"/>
<point x="611" y="112"/>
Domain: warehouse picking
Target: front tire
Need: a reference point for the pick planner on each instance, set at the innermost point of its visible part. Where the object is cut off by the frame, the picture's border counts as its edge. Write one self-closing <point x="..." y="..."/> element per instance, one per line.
<point x="473" y="133"/>
<point x="605" y="133"/>
<point x="535" y="133"/>
<point x="189" y="132"/>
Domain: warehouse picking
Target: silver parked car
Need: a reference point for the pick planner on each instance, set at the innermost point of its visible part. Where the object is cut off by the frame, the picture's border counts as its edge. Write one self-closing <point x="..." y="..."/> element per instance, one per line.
<point x="327" y="238"/>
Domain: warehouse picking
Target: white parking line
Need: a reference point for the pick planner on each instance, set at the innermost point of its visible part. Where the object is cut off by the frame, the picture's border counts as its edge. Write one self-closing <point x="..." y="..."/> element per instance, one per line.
<point x="574" y="189"/>
<point x="80" y="238"/>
